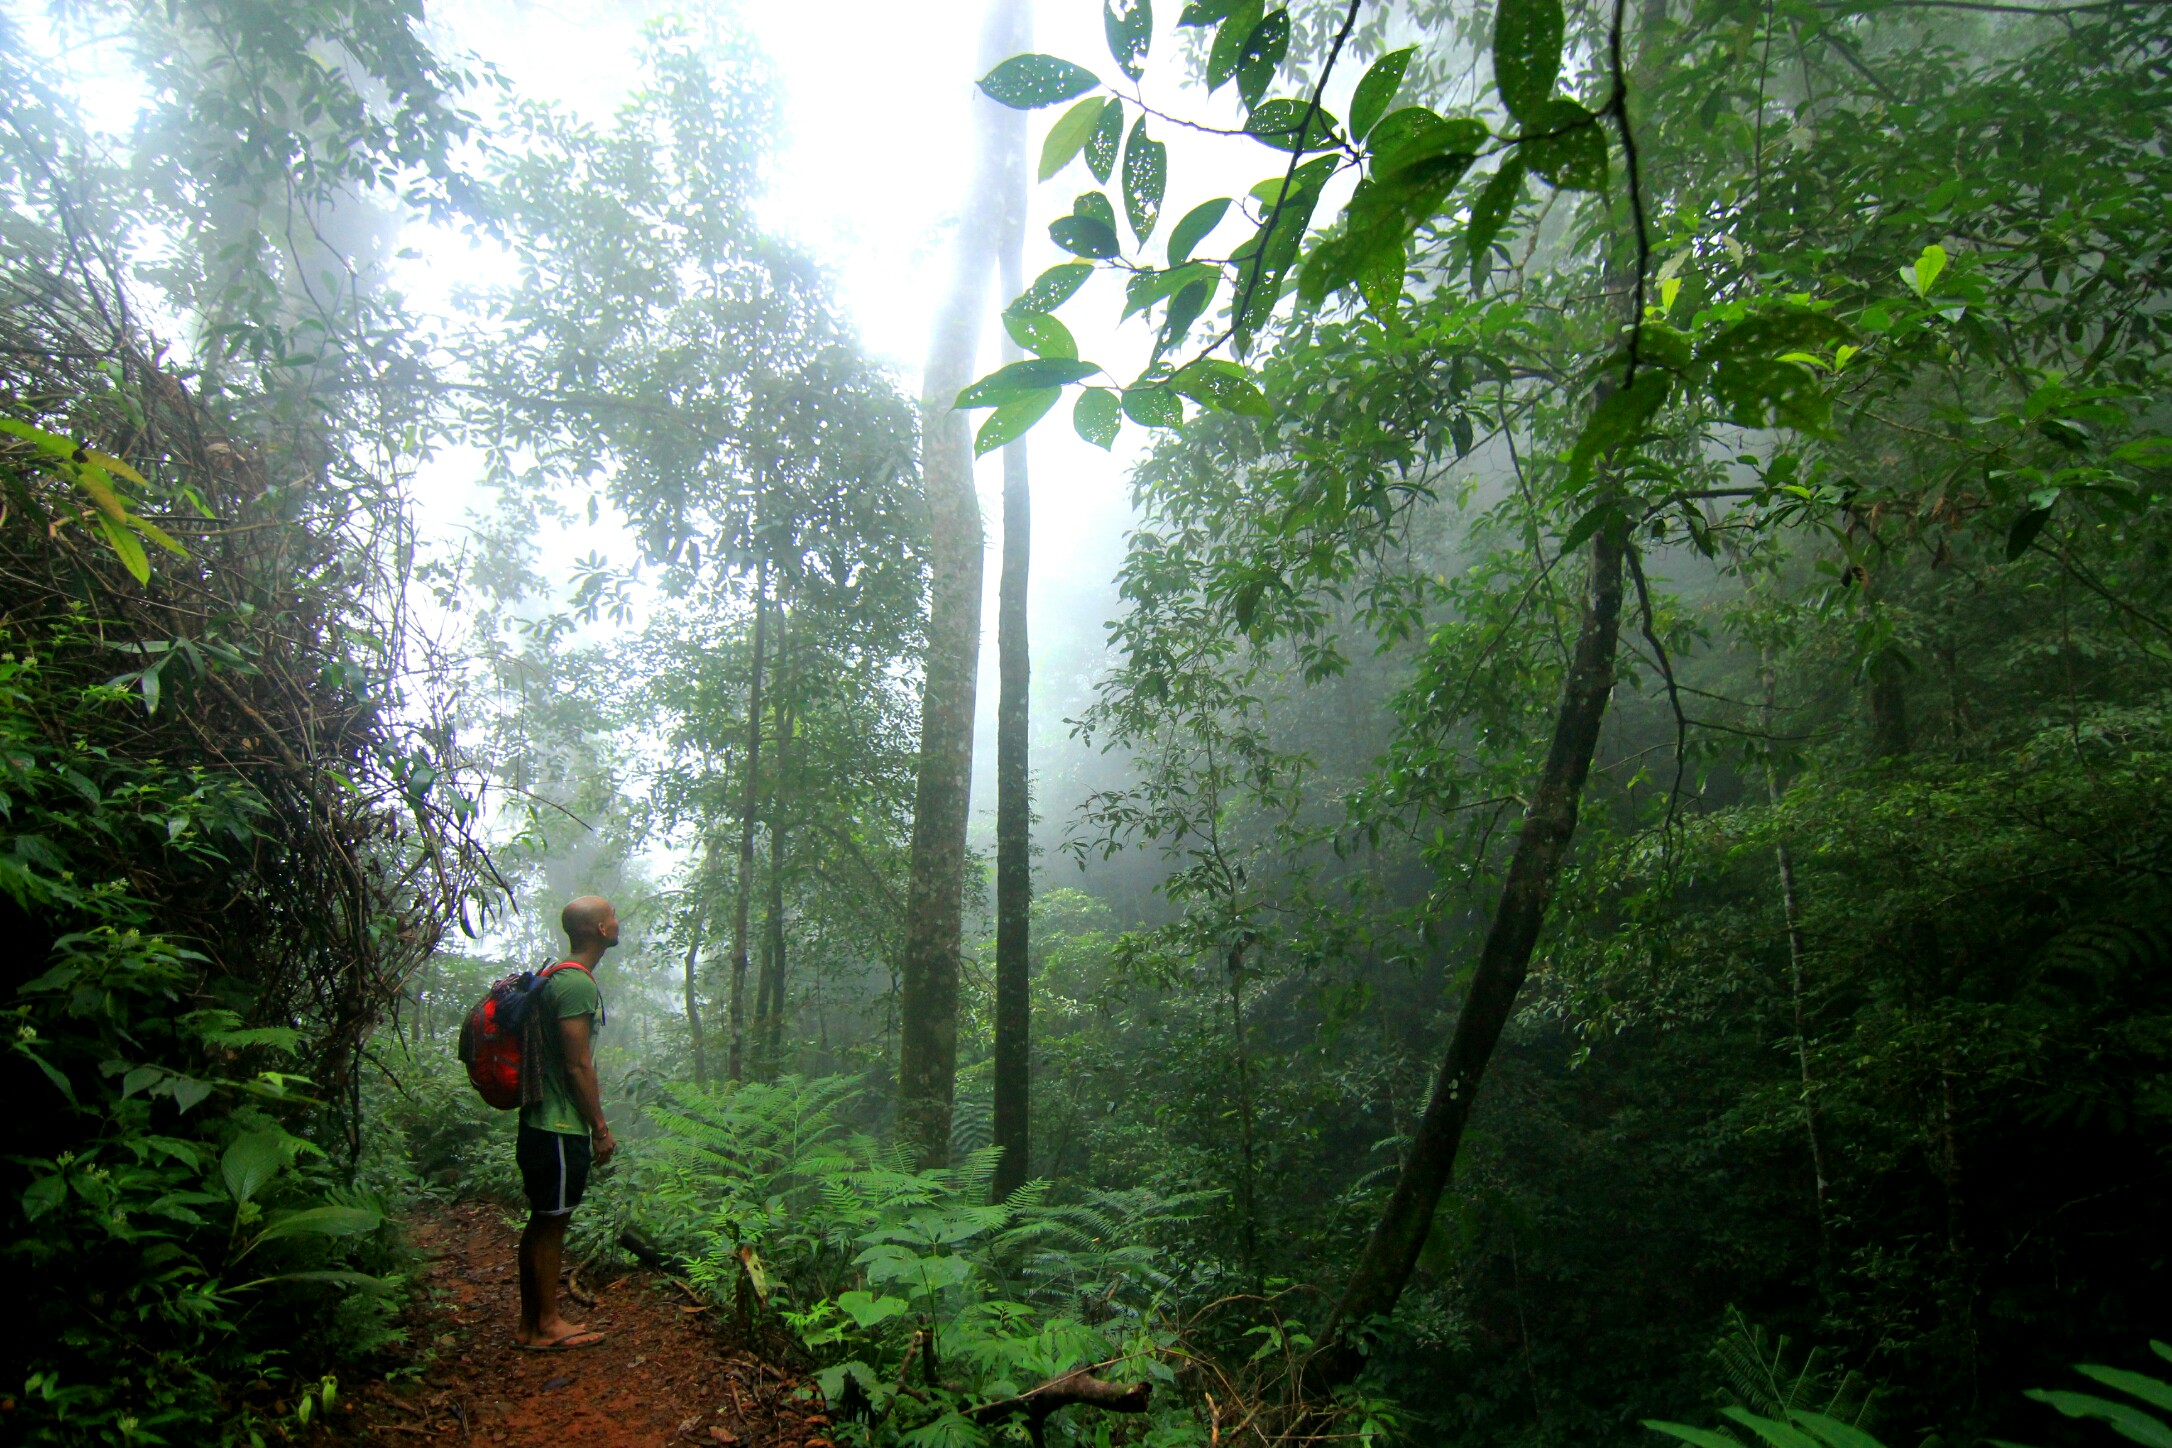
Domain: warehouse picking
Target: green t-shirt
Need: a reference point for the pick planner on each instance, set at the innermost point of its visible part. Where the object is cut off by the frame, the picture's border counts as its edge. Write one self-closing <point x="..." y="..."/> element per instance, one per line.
<point x="568" y="992"/>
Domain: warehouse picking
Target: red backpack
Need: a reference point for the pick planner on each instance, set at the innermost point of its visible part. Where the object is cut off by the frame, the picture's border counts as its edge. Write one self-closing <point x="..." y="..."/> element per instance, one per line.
<point x="500" y="1041"/>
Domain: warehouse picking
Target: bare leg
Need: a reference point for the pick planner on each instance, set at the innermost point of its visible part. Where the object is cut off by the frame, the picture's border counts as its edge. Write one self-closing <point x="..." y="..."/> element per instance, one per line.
<point x="542" y="1251"/>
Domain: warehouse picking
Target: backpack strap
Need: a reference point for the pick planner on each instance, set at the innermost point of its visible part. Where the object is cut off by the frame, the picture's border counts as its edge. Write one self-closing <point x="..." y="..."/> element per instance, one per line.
<point x="550" y="970"/>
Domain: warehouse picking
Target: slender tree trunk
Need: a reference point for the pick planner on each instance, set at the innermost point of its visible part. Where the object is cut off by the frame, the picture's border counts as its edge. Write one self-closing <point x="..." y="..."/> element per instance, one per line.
<point x="695" y="917"/>
<point x="1014" y="802"/>
<point x="1248" y="1194"/>
<point x="770" y="998"/>
<point x="1533" y="869"/>
<point x="928" y="986"/>
<point x="736" y="1070"/>
<point x="1791" y="916"/>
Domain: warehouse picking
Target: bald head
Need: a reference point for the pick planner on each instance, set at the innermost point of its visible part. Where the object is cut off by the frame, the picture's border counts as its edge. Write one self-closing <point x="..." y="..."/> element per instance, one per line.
<point x="590" y="920"/>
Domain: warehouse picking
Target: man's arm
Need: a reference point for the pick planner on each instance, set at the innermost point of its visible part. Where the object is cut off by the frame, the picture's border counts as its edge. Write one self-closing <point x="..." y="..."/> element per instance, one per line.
<point x="575" y="1038"/>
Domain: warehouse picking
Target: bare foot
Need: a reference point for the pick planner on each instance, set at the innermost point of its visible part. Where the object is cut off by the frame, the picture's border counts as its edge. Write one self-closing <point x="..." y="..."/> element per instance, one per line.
<point x="552" y="1332"/>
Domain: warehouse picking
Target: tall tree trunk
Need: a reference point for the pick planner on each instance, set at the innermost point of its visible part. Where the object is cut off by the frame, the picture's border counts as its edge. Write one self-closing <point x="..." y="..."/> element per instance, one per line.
<point x="1014" y="801"/>
<point x="1791" y="916"/>
<point x="769" y="999"/>
<point x="1248" y="1194"/>
<point x="736" y="1070"/>
<point x="928" y="988"/>
<point x="695" y="918"/>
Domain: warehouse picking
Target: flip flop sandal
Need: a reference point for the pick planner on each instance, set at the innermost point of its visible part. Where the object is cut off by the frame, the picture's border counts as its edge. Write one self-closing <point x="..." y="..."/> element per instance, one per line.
<point x="563" y="1344"/>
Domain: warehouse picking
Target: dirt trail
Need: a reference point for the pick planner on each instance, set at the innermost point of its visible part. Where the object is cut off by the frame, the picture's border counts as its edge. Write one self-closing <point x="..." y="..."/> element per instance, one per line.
<point x="660" y="1376"/>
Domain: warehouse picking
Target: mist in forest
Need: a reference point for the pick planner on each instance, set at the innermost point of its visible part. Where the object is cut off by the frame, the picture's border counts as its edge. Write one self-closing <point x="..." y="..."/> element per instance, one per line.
<point x="1556" y="830"/>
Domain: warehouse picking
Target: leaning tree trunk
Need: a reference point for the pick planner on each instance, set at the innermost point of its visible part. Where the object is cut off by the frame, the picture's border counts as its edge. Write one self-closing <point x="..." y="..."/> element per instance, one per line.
<point x="928" y="989"/>
<point x="1519" y="912"/>
<point x="736" y="1070"/>
<point x="1014" y="801"/>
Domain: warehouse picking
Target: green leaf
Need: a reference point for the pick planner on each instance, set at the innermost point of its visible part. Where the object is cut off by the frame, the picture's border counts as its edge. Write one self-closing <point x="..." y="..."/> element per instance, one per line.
<point x="1052" y="288"/>
<point x="867" y="1310"/>
<point x="1040" y="334"/>
<point x="1146" y="171"/>
<point x="43" y="1195"/>
<point x="1927" y="269"/>
<point x="1832" y="1432"/>
<point x="1153" y="405"/>
<point x="1028" y="82"/>
<point x="1698" y="1437"/>
<point x="1495" y="204"/>
<point x="1184" y="309"/>
<point x="1374" y="93"/>
<point x="252" y="1161"/>
<point x="1223" y="386"/>
<point x="1094" y="207"/>
<point x="1097" y="417"/>
<point x="1413" y="133"/>
<point x="188" y="1092"/>
<point x="1006" y="383"/>
<point x="1527" y="38"/>
<point x="1014" y="419"/>
<point x="1146" y="288"/>
<point x="1277" y="123"/>
<point x="1101" y="145"/>
<point x="1204" y="12"/>
<point x="2024" y="531"/>
<point x="1129" y="25"/>
<point x="1774" y="1432"/>
<point x="2128" y="1422"/>
<point x="322" y="1222"/>
<point x="1262" y="56"/>
<point x="1565" y="146"/>
<point x="1192" y="228"/>
<point x="1084" y="236"/>
<point x="126" y="548"/>
<point x="2150" y="1390"/>
<point x="1072" y="130"/>
<point x="140" y="1079"/>
<point x="1615" y="423"/>
<point x="1228" y="48"/>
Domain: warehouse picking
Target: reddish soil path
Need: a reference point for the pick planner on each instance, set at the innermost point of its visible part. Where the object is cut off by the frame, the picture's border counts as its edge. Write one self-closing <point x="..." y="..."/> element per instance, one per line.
<point x="661" y="1375"/>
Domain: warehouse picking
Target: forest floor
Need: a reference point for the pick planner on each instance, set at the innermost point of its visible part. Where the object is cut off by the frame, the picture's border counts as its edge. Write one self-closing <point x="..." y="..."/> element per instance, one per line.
<point x="662" y="1374"/>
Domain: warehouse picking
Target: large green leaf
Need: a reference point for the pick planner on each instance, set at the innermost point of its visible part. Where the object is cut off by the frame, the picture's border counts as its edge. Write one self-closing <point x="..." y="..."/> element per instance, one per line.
<point x="1185" y="307"/>
<point x="1278" y="123"/>
<point x="1495" y="204"/>
<point x="1006" y="383"/>
<point x="1052" y="288"/>
<point x="2128" y="1422"/>
<point x="1101" y="145"/>
<point x="1228" y="48"/>
<point x="1565" y="145"/>
<point x="1028" y="82"/>
<point x="1192" y="228"/>
<point x="252" y="1161"/>
<point x="1040" y="334"/>
<point x="1617" y="422"/>
<point x="1098" y="416"/>
<point x="1221" y="385"/>
<point x="2153" y="1391"/>
<point x="1149" y="287"/>
<point x="1413" y="133"/>
<point x="1527" y="38"/>
<point x="1153" y="405"/>
<point x="1146" y="172"/>
<point x="322" y="1222"/>
<point x="1012" y="421"/>
<point x="1071" y="132"/>
<point x="1263" y="53"/>
<point x="1696" y="1437"/>
<point x="1085" y="236"/>
<point x="1129" y="26"/>
<point x="1377" y="90"/>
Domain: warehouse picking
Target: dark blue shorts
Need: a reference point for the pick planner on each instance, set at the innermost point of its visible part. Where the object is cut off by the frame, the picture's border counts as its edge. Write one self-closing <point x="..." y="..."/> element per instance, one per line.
<point x="553" y="1170"/>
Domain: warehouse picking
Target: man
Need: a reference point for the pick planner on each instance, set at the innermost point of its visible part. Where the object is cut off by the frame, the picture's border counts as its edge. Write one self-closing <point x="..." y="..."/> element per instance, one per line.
<point x="556" y="1133"/>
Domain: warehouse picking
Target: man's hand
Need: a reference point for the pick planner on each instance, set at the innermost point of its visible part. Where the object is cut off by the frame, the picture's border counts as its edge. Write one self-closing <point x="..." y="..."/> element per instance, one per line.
<point x="604" y="1144"/>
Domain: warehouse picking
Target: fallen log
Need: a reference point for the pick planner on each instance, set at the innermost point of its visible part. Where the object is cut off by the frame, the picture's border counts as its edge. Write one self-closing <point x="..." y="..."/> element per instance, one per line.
<point x="647" y="1253"/>
<point x="1077" y="1386"/>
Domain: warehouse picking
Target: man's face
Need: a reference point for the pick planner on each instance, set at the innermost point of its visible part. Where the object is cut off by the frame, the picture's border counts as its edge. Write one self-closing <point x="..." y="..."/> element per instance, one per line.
<point x="608" y="926"/>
